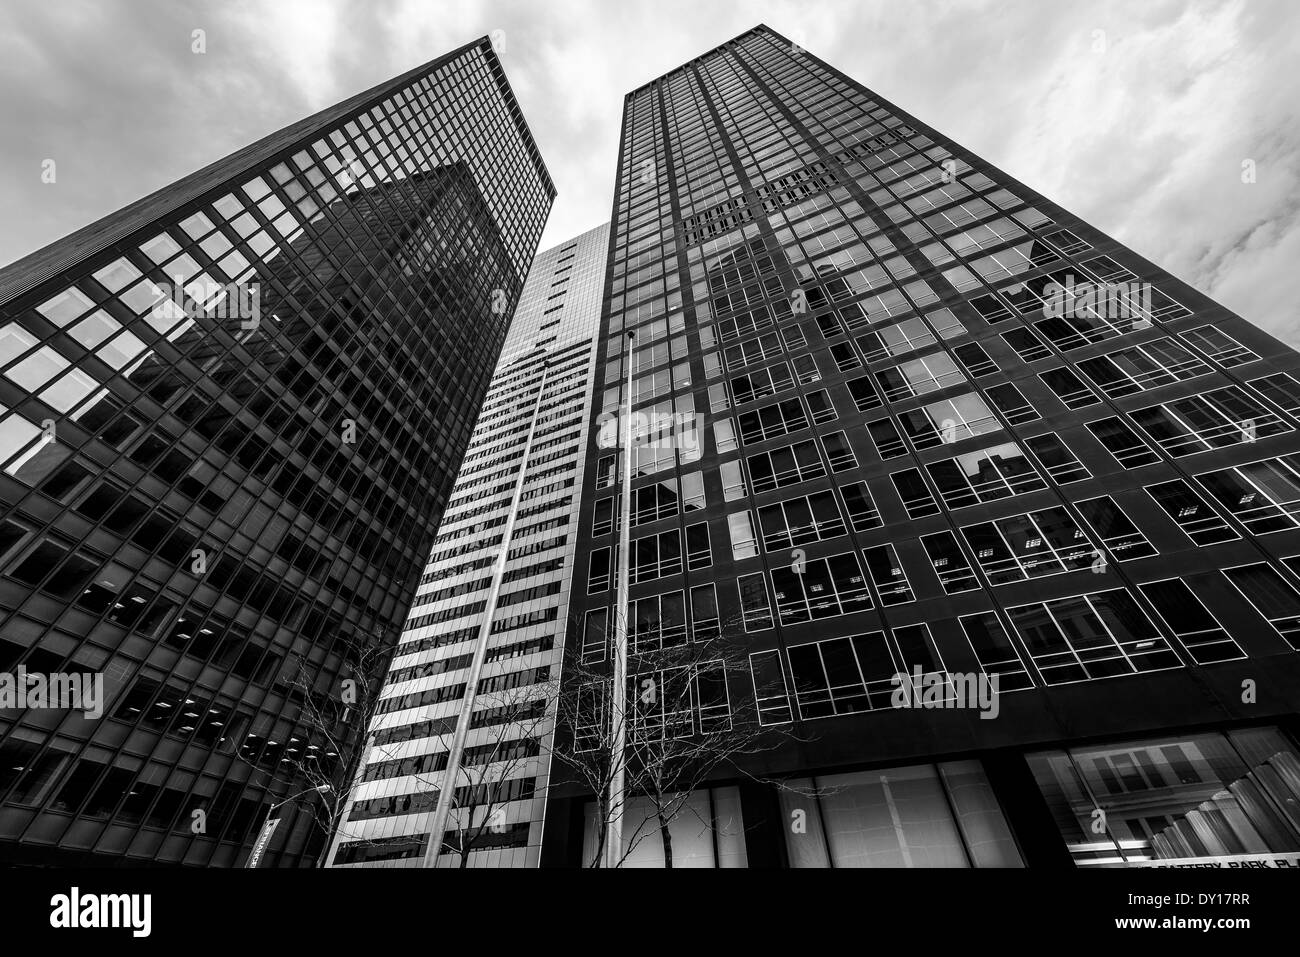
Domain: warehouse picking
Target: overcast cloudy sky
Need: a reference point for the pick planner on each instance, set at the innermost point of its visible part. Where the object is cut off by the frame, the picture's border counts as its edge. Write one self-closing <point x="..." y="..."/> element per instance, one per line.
<point x="1137" y="115"/>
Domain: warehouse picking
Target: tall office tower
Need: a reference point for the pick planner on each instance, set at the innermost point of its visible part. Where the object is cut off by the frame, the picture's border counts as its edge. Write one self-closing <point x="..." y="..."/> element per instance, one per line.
<point x="485" y="637"/>
<point x="230" y="410"/>
<point x="951" y="432"/>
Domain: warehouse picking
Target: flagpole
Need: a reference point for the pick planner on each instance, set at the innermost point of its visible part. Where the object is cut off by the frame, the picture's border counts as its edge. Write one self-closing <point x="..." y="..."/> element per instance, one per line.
<point x="618" y="707"/>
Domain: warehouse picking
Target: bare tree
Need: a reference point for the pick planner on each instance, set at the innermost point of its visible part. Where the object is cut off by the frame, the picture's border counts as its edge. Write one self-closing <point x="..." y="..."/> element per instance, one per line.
<point x="692" y="712"/>
<point x="511" y="725"/>
<point x="330" y="734"/>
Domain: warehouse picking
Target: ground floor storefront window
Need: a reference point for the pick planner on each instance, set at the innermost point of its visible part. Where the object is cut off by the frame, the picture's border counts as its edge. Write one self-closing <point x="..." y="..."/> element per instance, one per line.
<point x="926" y="815"/>
<point x="1200" y="797"/>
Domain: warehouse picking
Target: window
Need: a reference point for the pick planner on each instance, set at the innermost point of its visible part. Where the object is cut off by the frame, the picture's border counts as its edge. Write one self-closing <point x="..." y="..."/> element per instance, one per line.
<point x="1046" y="542"/>
<point x="1143" y="367"/>
<point x="945" y="323"/>
<point x="606" y="471"/>
<point x="1027" y="345"/>
<point x="864" y="394"/>
<point x="771" y="692"/>
<point x="756" y="608"/>
<point x="784" y="467"/>
<point x="889" y="444"/>
<point x="991" y="309"/>
<point x="724" y="436"/>
<point x="1211" y="420"/>
<point x="985" y="476"/>
<point x="1219" y="346"/>
<point x="1196" y="517"/>
<point x="1153" y="795"/>
<point x="838" y="452"/>
<point x="1069" y="388"/>
<point x="914" y="494"/>
<point x="843" y="675"/>
<point x="599" y="570"/>
<point x="861" y="507"/>
<point x="1057" y="459"/>
<point x="1066" y="242"/>
<point x="17" y="435"/>
<point x="1107" y="270"/>
<point x="1123" y="443"/>
<point x="887" y="575"/>
<point x="1009" y="400"/>
<point x="656" y="623"/>
<point x="949" y="421"/>
<point x="1115" y="529"/>
<point x="1087" y="637"/>
<point x="800" y="521"/>
<point x="895" y="340"/>
<point x="805" y="368"/>
<point x="821" y="407"/>
<point x="825" y="588"/>
<point x="919" y="376"/>
<point x="733" y="481"/>
<point x="704" y="612"/>
<point x="1273" y="597"/>
<point x="1263" y="496"/>
<point x="995" y="652"/>
<point x="602" y="522"/>
<point x="595" y="630"/>
<point x="656" y="556"/>
<point x="39" y="368"/>
<point x="975" y="360"/>
<point x="760" y="384"/>
<point x="1079" y="327"/>
<point x="1281" y="389"/>
<point x="699" y="552"/>
<point x="949" y="562"/>
<point x="160" y="249"/>
<point x="844" y="356"/>
<point x="744" y="543"/>
<point x="692" y="492"/>
<point x="1189" y="619"/>
<point x="651" y="503"/>
<point x="72" y="302"/>
<point x="771" y="421"/>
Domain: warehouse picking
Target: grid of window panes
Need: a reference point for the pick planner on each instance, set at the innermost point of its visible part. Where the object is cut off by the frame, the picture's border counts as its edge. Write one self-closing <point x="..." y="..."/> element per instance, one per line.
<point x="216" y="506"/>
<point x="890" y="397"/>
<point x="550" y="349"/>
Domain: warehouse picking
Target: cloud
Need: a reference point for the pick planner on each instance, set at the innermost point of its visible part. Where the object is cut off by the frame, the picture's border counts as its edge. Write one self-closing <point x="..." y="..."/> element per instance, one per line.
<point x="1143" y="136"/>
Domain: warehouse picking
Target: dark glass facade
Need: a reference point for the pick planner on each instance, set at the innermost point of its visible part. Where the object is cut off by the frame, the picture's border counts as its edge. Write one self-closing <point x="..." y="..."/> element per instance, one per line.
<point x="232" y="416"/>
<point x="944" y="428"/>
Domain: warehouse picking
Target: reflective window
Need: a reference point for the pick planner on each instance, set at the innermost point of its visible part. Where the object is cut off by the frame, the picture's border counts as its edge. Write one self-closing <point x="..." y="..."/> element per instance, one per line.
<point x="1192" y="798"/>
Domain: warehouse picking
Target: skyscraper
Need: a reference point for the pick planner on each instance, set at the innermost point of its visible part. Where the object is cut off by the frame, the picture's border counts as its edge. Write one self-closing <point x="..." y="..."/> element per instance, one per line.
<point x="485" y="637"/>
<point x="233" y="412"/>
<point x="951" y="433"/>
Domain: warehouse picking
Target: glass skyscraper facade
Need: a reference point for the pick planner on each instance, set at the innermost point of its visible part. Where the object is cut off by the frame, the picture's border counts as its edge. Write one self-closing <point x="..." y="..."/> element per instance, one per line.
<point x="939" y="427"/>
<point x="231" y="416"/>
<point x="497" y="582"/>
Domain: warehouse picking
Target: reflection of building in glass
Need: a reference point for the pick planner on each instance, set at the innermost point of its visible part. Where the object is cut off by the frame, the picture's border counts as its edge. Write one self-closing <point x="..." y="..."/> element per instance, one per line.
<point x="516" y="498"/>
<point x="946" y="425"/>
<point x="220" y="507"/>
<point x="1204" y="795"/>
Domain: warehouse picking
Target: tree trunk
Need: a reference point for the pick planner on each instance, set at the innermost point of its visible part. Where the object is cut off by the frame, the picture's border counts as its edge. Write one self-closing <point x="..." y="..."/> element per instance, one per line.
<point x="602" y="828"/>
<point x="666" y="836"/>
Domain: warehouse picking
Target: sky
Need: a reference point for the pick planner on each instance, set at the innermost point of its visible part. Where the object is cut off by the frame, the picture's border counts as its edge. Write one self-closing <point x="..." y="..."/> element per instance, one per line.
<point x="1172" y="125"/>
